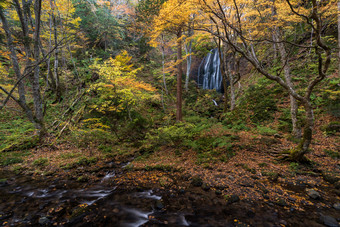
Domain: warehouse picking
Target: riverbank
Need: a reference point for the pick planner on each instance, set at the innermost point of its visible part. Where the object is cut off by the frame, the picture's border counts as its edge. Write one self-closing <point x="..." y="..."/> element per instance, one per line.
<point x="170" y="188"/>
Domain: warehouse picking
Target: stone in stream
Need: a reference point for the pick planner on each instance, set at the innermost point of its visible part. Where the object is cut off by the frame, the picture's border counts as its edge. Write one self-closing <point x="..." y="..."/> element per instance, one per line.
<point x="44" y="221"/>
<point x="336" y="206"/>
<point x="328" y="221"/>
<point x="159" y="205"/>
<point x="313" y="194"/>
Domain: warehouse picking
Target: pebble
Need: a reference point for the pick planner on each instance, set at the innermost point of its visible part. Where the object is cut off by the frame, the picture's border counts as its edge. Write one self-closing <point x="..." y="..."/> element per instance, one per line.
<point x="44" y="221"/>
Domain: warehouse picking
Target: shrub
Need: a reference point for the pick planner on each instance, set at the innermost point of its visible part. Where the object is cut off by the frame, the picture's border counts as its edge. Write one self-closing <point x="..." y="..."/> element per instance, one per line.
<point x="172" y="135"/>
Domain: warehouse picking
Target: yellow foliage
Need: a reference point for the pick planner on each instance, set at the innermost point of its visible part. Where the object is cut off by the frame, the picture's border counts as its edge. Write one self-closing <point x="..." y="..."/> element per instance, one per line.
<point x="118" y="87"/>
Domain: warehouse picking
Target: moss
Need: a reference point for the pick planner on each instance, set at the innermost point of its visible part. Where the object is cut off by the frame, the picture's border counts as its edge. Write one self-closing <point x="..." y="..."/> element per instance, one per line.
<point x="41" y="162"/>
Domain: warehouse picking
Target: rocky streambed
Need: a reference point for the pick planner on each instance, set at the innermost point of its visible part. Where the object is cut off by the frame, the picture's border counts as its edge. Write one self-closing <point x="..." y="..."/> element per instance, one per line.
<point x="54" y="201"/>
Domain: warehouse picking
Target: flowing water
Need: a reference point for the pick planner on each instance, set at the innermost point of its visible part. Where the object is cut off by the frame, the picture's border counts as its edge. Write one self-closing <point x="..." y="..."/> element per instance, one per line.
<point x="209" y="72"/>
<point x="26" y="201"/>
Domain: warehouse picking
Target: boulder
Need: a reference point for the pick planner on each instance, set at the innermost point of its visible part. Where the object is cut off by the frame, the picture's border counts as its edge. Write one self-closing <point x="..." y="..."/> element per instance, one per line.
<point x="329" y="221"/>
<point x="313" y="194"/>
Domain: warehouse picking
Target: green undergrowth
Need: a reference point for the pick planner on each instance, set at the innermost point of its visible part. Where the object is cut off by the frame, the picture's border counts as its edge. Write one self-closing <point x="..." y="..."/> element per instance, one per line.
<point x="16" y="132"/>
<point x="14" y="157"/>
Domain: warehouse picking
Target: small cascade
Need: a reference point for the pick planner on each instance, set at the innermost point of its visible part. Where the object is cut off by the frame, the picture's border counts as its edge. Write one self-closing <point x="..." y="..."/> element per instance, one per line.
<point x="209" y="72"/>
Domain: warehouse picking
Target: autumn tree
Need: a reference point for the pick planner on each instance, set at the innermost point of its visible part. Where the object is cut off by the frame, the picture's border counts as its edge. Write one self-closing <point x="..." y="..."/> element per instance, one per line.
<point x="172" y="19"/>
<point x="118" y="92"/>
<point x="253" y="23"/>
<point x="31" y="54"/>
<point x="30" y="45"/>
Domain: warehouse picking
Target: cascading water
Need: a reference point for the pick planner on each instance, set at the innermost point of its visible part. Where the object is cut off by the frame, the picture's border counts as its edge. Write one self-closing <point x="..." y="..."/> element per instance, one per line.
<point x="209" y="72"/>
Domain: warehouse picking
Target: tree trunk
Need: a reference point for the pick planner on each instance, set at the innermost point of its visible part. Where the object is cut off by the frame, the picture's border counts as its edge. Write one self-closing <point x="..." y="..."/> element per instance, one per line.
<point x="188" y="50"/>
<point x="296" y="131"/>
<point x="16" y="68"/>
<point x="232" y="88"/>
<point x="163" y="66"/>
<point x="298" y="153"/>
<point x="224" y="71"/>
<point x="56" y="61"/>
<point x="38" y="103"/>
<point x="179" y="76"/>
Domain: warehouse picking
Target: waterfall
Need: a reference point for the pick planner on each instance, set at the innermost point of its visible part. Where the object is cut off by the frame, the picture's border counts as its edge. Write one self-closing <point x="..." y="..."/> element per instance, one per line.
<point x="209" y="73"/>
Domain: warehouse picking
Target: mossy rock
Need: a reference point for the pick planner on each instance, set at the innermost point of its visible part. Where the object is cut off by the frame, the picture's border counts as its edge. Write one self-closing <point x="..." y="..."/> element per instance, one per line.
<point x="83" y="178"/>
<point x="79" y="210"/>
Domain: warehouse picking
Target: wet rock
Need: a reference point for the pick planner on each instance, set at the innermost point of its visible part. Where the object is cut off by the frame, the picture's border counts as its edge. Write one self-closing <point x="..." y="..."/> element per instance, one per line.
<point x="232" y="198"/>
<point x="44" y="221"/>
<point x="281" y="202"/>
<point x="330" y="178"/>
<point x="313" y="194"/>
<point x="159" y="205"/>
<point x="196" y="182"/>
<point x="329" y="221"/>
<point x="3" y="182"/>
<point x="205" y="187"/>
<point x="4" y="216"/>
<point x="336" y="206"/>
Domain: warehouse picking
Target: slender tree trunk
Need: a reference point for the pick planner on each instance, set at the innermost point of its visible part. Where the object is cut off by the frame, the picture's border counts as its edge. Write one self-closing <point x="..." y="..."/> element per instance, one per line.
<point x="188" y="50"/>
<point x="16" y="68"/>
<point x="232" y="88"/>
<point x="296" y="131"/>
<point x="38" y="103"/>
<point x="224" y="71"/>
<point x="163" y="66"/>
<point x="56" y="61"/>
<point x="179" y="76"/>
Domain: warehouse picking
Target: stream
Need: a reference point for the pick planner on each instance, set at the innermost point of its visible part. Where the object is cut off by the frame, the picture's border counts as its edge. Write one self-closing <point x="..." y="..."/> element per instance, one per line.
<point x="57" y="201"/>
<point x="26" y="201"/>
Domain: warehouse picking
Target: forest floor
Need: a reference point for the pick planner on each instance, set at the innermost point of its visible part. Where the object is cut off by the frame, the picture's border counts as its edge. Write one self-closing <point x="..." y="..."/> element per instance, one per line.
<point x="253" y="179"/>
